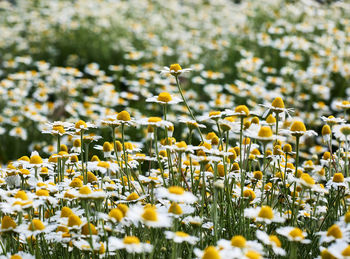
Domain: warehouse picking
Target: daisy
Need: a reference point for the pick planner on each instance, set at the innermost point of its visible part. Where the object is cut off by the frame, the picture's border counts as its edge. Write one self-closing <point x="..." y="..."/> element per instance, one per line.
<point x="131" y="244"/>
<point x="339" y="249"/>
<point x="334" y="233"/>
<point x="175" y="70"/>
<point x="82" y="125"/>
<point x="164" y="98"/>
<point x="149" y="216"/>
<point x="331" y="120"/>
<point x="19" y="255"/>
<point x="179" y="237"/>
<point x="293" y="234"/>
<point x="239" y="242"/>
<point x="155" y="122"/>
<point x="342" y="131"/>
<point x="272" y="241"/>
<point x="298" y="129"/>
<point x="176" y="194"/>
<point x="277" y="106"/>
<point x="337" y="181"/>
<point x="263" y="214"/>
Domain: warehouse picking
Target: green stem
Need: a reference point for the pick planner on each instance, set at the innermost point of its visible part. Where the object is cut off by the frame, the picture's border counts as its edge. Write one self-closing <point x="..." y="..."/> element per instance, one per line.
<point x="188" y="107"/>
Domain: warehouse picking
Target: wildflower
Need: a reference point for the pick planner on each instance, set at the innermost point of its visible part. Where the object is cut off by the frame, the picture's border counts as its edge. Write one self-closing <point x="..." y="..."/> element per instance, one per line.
<point x="131" y="244"/>
<point x="175" y="70"/>
<point x="176" y="194"/>
<point x="326" y="133"/>
<point x="331" y="120"/>
<point x="342" y="132"/>
<point x="337" y="181"/>
<point x="164" y="98"/>
<point x="298" y="129"/>
<point x="333" y="233"/>
<point x="263" y="214"/>
<point x="149" y="216"/>
<point x="293" y="234"/>
<point x="264" y="134"/>
<point x="179" y="237"/>
<point x="82" y="125"/>
<point x="240" y="110"/>
<point x="7" y="224"/>
<point x="209" y="253"/>
<point x="277" y="106"/>
<point x="272" y="241"/>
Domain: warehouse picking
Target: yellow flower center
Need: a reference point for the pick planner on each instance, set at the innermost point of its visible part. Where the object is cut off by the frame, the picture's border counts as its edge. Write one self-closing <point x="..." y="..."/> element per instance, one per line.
<point x="7" y="222"/>
<point x="175" y="67"/>
<point x="59" y="128"/>
<point x="278" y="103"/>
<point x="66" y="212"/>
<point x="62" y="229"/>
<point x="164" y="97"/>
<point x="346" y="251"/>
<point x="338" y="178"/>
<point x="238" y="241"/>
<point x="85" y="229"/>
<point x="36" y="160"/>
<point x="242" y="109"/>
<point x="271" y="119"/>
<point x="91" y="177"/>
<point x="181" y="234"/>
<point x="154" y="119"/>
<point x="345" y="130"/>
<point x="181" y="144"/>
<point x="258" y="175"/>
<point x="298" y="126"/>
<point x="175" y="209"/>
<point x="347" y="217"/>
<point x="21" y="195"/>
<point x="266" y="212"/>
<point x="36" y="225"/>
<point x="24" y="158"/>
<point x="150" y="214"/>
<point x="335" y="232"/>
<point x="275" y="240"/>
<point x="176" y="190"/>
<point x="252" y="255"/>
<point x="123" y="116"/>
<point x="214" y="113"/>
<point x="116" y="214"/>
<point x="326" y="130"/>
<point x="250" y="194"/>
<point x="76" y="143"/>
<point x="129" y="240"/>
<point x="76" y="182"/>
<point x="103" y="164"/>
<point x="107" y="147"/>
<point x="265" y="132"/>
<point x="74" y="220"/>
<point x="325" y="254"/>
<point x="307" y="179"/>
<point x="211" y="253"/>
<point x="124" y="208"/>
<point x="133" y="196"/>
<point x="16" y="256"/>
<point x="296" y="233"/>
<point x="80" y="125"/>
<point x="85" y="190"/>
<point x="42" y="192"/>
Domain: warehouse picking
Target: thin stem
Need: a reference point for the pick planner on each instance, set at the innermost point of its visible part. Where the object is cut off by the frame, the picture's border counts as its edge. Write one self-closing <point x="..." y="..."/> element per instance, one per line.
<point x="188" y="107"/>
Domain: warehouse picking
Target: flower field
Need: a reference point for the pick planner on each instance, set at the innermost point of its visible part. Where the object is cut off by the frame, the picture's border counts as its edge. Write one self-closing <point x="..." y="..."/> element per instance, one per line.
<point x="174" y="129"/>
